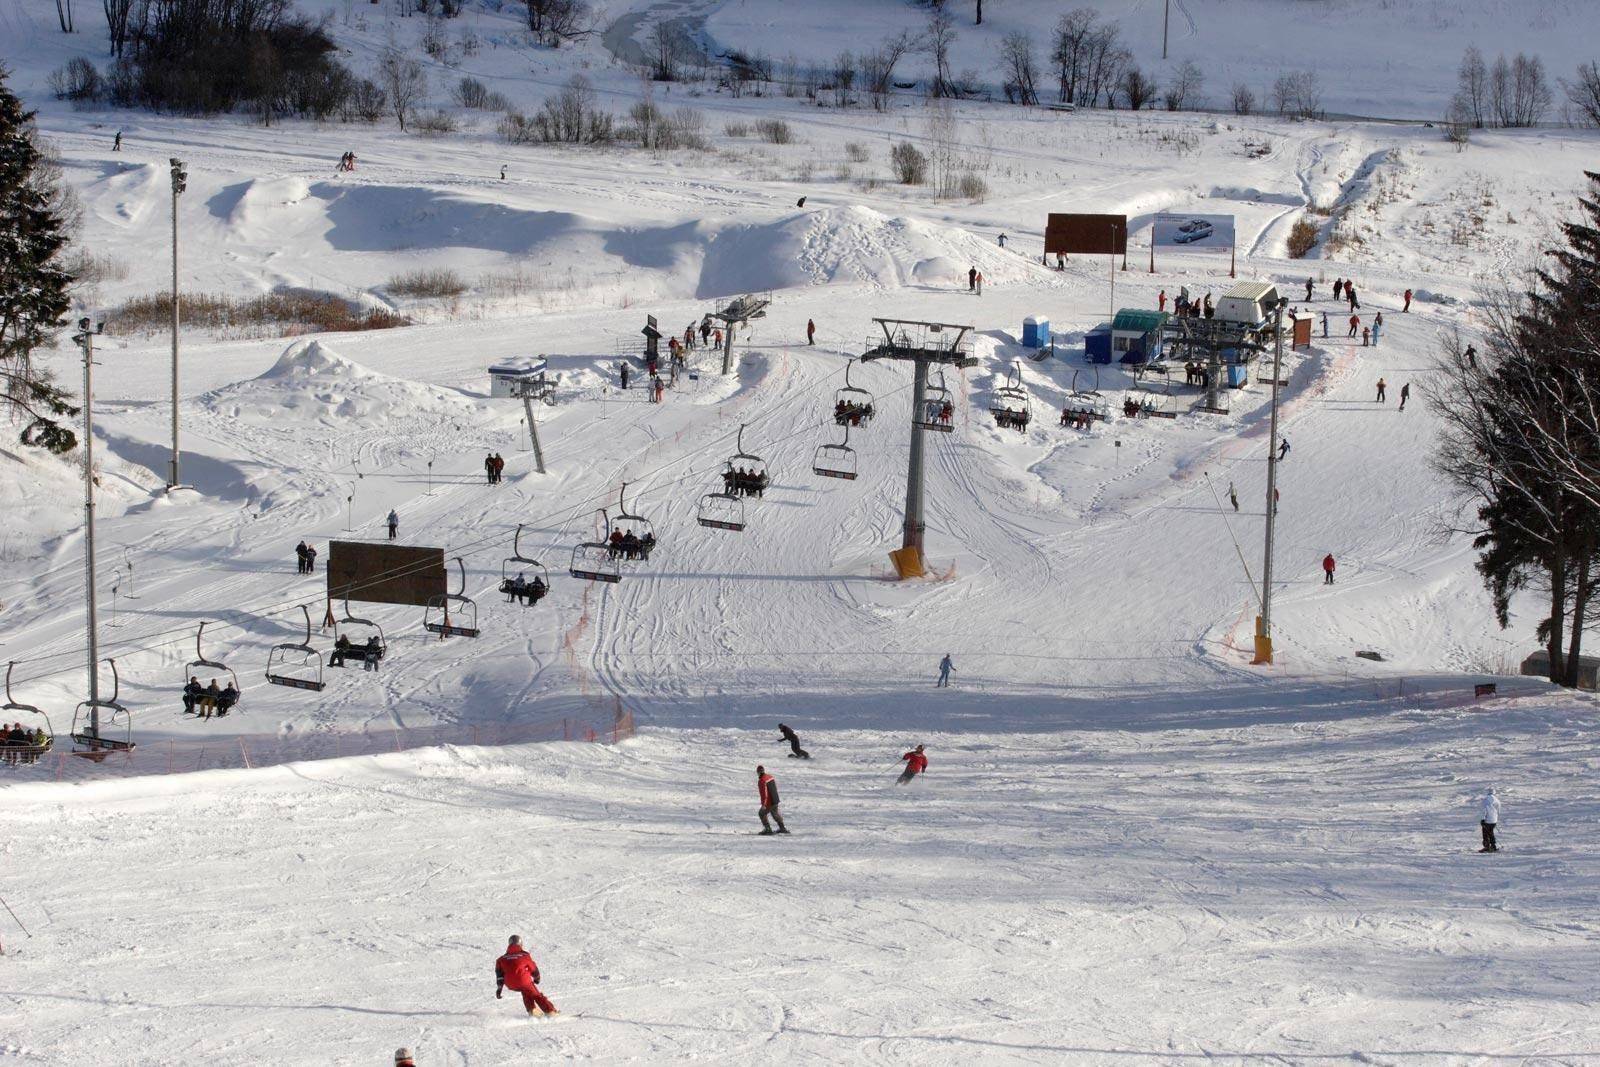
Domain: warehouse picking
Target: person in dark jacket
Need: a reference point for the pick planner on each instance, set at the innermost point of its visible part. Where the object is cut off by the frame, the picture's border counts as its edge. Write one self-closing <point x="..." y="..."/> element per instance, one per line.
<point x="767" y="790"/>
<point x="916" y="763"/>
<point x="518" y="970"/>
<point x="794" y="742"/>
<point x="300" y="555"/>
<point x="191" y="695"/>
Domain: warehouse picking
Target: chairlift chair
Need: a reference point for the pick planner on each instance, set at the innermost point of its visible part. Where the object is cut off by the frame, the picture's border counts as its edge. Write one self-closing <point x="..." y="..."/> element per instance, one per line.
<point x="936" y="409"/>
<point x="594" y="560"/>
<point x="216" y="669"/>
<point x="356" y="647"/>
<point x="641" y="530"/>
<point x="721" y="511"/>
<point x="119" y="723"/>
<point x="851" y="405"/>
<point x="1160" y="403"/>
<point x="296" y="664"/>
<point x="745" y="472"/>
<point x="30" y="752"/>
<point x="1013" y="408"/>
<point x="518" y="562"/>
<point x="836" y="461"/>
<point x="437" y="618"/>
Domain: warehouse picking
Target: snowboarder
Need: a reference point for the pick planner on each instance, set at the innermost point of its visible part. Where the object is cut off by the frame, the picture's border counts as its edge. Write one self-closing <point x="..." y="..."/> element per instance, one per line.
<point x="945" y="667"/>
<point x="972" y="279"/>
<point x="795" y="750"/>
<point x="1309" y="285"/>
<point x="300" y="555"/>
<point x="1161" y="301"/>
<point x="1283" y="449"/>
<point x="116" y="145"/>
<point x="1327" y="569"/>
<point x="1382" y="386"/>
<point x="517" y="970"/>
<point x="624" y="374"/>
<point x="1355" y="324"/>
<point x="811" y="332"/>
<point x="402" y="1058"/>
<point x="1338" y="287"/>
<point x="502" y="172"/>
<point x="1488" y="819"/>
<point x="1233" y="496"/>
<point x="394" y="523"/>
<point x="767" y="790"/>
<point x="916" y="763"/>
<point x="1407" y="306"/>
<point x="1405" y="394"/>
<point x="980" y="283"/>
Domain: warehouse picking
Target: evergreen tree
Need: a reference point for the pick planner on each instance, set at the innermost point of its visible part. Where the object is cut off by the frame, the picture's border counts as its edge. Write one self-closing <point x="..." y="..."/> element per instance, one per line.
<point x="34" y="295"/>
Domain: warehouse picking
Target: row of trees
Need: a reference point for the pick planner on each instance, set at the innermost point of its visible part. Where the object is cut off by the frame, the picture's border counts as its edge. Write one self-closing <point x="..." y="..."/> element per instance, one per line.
<point x="1506" y="93"/>
<point x="1521" y="442"/>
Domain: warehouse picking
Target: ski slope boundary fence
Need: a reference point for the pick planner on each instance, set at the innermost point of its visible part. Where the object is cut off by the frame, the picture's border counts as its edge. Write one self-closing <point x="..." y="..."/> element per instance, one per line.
<point x="181" y="755"/>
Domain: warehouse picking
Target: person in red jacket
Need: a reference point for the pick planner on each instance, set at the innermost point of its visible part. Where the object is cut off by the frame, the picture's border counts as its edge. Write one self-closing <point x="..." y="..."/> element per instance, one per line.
<point x="1327" y="569"/>
<point x="517" y="970"/>
<point x="916" y="763"/>
<point x="767" y="790"/>
<point x="811" y="332"/>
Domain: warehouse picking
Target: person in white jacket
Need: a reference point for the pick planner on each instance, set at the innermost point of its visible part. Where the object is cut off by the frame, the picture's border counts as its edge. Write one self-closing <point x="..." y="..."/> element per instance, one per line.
<point x="1488" y="817"/>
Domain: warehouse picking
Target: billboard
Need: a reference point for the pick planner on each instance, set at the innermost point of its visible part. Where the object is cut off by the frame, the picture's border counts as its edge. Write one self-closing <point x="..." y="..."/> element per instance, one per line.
<point x="383" y="573"/>
<point x="1192" y="233"/>
<point x="1078" y="234"/>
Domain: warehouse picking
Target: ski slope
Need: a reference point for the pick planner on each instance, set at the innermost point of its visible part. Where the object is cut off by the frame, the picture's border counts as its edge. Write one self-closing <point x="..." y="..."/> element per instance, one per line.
<point x="1131" y="844"/>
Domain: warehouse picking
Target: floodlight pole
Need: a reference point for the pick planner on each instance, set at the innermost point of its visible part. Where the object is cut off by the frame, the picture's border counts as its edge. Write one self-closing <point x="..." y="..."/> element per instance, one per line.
<point x="1264" y="620"/>
<point x="179" y="183"/>
<point x="85" y="340"/>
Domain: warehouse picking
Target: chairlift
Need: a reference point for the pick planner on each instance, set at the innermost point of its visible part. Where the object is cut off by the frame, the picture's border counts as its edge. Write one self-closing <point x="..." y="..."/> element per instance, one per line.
<point x="96" y="744"/>
<point x="1012" y="408"/>
<point x="529" y="593"/>
<point x="217" y="671"/>
<point x="851" y="405"/>
<point x="937" y="408"/>
<point x="296" y="664"/>
<point x="721" y="511"/>
<point x="368" y="648"/>
<point x="632" y="537"/>
<point x="436" y="617"/>
<point x="26" y="753"/>
<point x="1156" y="381"/>
<point x="836" y="461"/>
<point x="745" y="473"/>
<point x="595" y="560"/>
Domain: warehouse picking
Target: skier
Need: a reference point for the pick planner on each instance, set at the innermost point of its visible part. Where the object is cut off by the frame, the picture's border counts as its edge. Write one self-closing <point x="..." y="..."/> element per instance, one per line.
<point x="402" y="1058"/>
<point x="972" y="279"/>
<point x="394" y="523"/>
<point x="1355" y="324"/>
<point x="1407" y="306"/>
<point x="1161" y="301"/>
<point x="624" y="374"/>
<point x="811" y="332"/>
<point x="705" y="332"/>
<point x="502" y="172"/>
<point x="1324" y="323"/>
<point x="916" y="763"/>
<point x="1405" y="394"/>
<point x="116" y="145"/>
<point x="311" y="560"/>
<point x="300" y="554"/>
<point x="488" y="467"/>
<point x="1350" y="294"/>
<point x="945" y="667"/>
<point x="1377" y="328"/>
<point x="1233" y="496"/>
<point x="767" y="790"/>
<point x="518" y="970"/>
<point x="1472" y="357"/>
<point x="1283" y="449"/>
<point x="980" y="283"/>
<point x="1366" y="337"/>
<point x="1338" y="287"/>
<point x="499" y="468"/>
<point x="795" y="751"/>
<point x="1309" y="284"/>
<point x="1002" y="240"/>
<point x="1488" y="819"/>
<point x="658" y="385"/>
<point x="1382" y="385"/>
<point x="1327" y="569"/>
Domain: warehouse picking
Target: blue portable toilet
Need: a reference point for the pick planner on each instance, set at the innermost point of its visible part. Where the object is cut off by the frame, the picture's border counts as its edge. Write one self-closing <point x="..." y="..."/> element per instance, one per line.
<point x="1035" y="332"/>
<point x="1238" y="375"/>
<point x="1097" y="344"/>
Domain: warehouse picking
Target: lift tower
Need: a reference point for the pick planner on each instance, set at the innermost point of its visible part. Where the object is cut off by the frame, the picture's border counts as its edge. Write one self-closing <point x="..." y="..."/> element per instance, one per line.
<point x="922" y="344"/>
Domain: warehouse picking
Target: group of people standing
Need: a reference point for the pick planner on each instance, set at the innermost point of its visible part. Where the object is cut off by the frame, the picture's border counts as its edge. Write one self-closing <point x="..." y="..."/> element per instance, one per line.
<point x="306" y="557"/>
<point x="494" y="468"/>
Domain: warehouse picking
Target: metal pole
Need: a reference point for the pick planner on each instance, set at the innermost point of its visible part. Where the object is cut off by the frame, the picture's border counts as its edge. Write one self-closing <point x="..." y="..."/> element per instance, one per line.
<point x="914" y="525"/>
<point x="85" y="340"/>
<point x="727" y="349"/>
<point x="1264" y="623"/>
<point x="533" y="432"/>
<point x="1166" y="18"/>
<point x="179" y="183"/>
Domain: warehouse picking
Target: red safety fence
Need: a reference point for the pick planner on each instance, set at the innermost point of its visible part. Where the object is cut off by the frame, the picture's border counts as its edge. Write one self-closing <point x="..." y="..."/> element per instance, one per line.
<point x="181" y="755"/>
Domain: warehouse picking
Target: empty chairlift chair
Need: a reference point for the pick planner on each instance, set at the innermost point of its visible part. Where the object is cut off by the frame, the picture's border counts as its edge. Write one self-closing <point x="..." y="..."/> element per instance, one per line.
<point x="452" y="614"/>
<point x="42" y="733"/>
<point x="358" y="639"/>
<point x="836" y="461"/>
<point x="296" y="664"/>
<point x="852" y="406"/>
<point x="514" y="580"/>
<point x="206" y="672"/>
<point x="114" y="733"/>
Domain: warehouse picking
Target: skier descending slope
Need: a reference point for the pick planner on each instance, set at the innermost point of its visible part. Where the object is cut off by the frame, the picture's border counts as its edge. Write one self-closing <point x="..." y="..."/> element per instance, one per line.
<point x="517" y="970"/>
<point x="1488" y="819"/>
<point x="795" y="751"/>
<point x="916" y="763"/>
<point x="767" y="790"/>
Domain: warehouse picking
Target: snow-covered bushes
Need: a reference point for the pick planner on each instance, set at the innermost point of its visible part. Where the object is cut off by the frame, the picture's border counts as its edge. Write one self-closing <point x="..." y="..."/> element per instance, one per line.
<point x="427" y="284"/>
<point x="775" y="131"/>
<point x="910" y="165"/>
<point x="1302" y="238"/>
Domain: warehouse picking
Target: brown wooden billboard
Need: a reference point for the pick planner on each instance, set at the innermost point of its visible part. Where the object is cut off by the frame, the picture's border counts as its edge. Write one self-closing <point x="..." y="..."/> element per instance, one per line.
<point x="384" y="573"/>
<point x="1078" y="234"/>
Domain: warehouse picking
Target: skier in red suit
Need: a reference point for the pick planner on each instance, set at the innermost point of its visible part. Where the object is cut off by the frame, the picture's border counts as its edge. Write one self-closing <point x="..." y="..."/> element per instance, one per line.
<point x="517" y="970"/>
<point x="916" y="763"/>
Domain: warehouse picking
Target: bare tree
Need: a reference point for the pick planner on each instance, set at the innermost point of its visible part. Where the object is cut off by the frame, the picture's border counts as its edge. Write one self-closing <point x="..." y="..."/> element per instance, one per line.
<point x="666" y="51"/>
<point x="1499" y="98"/>
<point x="1016" y="62"/>
<point x="1069" y="51"/>
<point x="1183" y="91"/>
<point x="1530" y="91"/>
<point x="1583" y="93"/>
<point x="940" y="36"/>
<point x="877" y="68"/>
<point x="1244" y="100"/>
<point x="404" y="83"/>
<point x="117" y="15"/>
<point x="944" y="148"/>
<point x="1297" y="94"/>
<point x="1136" y="89"/>
<point x="554" y="21"/>
<point x="1106" y="61"/>
<point x="1472" y="86"/>
<point x="1458" y="123"/>
<point x="844" y="78"/>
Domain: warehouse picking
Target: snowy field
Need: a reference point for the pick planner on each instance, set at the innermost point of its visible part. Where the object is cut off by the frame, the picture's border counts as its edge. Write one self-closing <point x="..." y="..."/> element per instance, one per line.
<point x="1131" y="844"/>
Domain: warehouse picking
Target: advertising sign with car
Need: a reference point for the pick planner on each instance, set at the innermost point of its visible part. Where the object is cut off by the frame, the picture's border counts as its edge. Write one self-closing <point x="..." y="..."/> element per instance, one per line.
<point x="1193" y="233"/>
